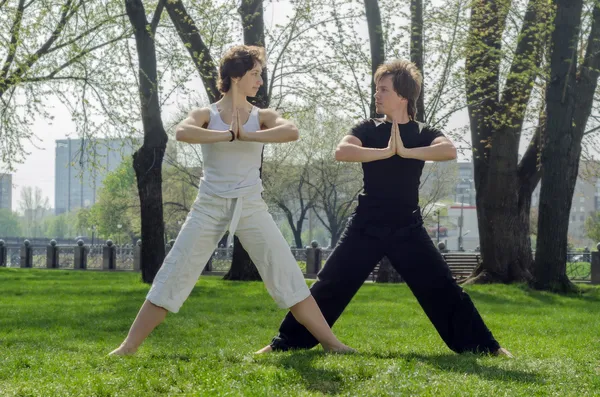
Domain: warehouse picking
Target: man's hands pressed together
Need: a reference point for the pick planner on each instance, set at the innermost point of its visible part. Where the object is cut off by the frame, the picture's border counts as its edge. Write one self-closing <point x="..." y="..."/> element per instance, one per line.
<point x="395" y="144"/>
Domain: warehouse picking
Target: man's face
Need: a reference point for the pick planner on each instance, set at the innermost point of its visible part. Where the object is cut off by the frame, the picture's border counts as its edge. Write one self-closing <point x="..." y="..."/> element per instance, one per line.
<point x="386" y="99"/>
<point x="251" y="81"/>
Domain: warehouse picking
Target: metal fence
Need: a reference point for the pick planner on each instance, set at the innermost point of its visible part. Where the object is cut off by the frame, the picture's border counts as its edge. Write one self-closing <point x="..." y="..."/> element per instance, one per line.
<point x="13" y="256"/>
<point x="299" y="254"/>
<point x="94" y="256"/>
<point x="66" y="259"/>
<point x="38" y="257"/>
<point x="125" y="257"/>
<point x="221" y="260"/>
<point x="579" y="268"/>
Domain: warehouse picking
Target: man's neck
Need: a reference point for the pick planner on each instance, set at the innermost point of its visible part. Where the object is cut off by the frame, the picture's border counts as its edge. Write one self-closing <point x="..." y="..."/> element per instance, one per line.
<point x="401" y="117"/>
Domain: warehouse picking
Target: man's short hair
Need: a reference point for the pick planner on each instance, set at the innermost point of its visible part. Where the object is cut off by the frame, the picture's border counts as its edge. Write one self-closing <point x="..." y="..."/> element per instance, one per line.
<point x="407" y="80"/>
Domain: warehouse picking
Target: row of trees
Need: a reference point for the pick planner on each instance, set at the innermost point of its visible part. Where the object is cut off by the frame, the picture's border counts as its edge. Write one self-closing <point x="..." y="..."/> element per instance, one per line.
<point x="35" y="218"/>
<point x="525" y="70"/>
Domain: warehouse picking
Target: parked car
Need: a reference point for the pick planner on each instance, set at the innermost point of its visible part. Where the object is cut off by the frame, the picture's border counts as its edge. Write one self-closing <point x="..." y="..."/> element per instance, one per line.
<point x="576" y="258"/>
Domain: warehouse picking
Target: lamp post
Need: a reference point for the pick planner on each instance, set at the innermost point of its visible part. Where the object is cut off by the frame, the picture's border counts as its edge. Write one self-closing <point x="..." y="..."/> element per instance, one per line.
<point x="461" y="218"/>
<point x="119" y="226"/>
<point x="179" y="222"/>
<point x="437" y="212"/>
<point x="93" y="229"/>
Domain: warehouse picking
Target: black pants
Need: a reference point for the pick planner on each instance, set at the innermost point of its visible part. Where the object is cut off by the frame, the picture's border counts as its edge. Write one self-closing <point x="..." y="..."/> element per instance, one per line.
<point x="413" y="255"/>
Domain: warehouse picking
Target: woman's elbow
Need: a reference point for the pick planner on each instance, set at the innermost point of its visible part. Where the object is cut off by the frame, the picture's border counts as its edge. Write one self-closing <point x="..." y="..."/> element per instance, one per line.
<point x="294" y="134"/>
<point x="180" y="134"/>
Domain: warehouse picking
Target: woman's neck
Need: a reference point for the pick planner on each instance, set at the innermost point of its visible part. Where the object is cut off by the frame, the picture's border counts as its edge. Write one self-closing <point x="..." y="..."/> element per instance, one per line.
<point x="231" y="100"/>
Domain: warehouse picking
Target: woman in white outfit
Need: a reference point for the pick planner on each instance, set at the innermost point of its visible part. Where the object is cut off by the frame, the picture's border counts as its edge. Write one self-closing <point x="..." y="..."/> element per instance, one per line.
<point x="232" y="133"/>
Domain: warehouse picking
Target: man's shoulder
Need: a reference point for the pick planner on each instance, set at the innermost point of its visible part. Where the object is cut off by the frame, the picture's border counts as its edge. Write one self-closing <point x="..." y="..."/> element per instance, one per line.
<point x="423" y="127"/>
<point x="363" y="125"/>
<point x="369" y="124"/>
<point x="429" y="129"/>
<point x="376" y="121"/>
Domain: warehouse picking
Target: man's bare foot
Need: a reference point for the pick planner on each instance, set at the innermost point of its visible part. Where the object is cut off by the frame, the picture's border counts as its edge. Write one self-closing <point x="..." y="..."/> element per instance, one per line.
<point x="503" y="352"/>
<point x="266" y="349"/>
<point x="123" y="350"/>
<point x="341" y="349"/>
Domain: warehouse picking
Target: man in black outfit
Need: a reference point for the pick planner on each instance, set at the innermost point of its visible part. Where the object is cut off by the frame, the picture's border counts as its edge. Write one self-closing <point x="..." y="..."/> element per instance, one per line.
<point x="387" y="222"/>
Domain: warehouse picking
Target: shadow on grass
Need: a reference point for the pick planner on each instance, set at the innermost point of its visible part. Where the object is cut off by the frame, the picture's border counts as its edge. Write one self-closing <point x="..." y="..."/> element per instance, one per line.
<point x="316" y="379"/>
<point x="332" y="382"/>
<point x="465" y="364"/>
<point x="586" y="299"/>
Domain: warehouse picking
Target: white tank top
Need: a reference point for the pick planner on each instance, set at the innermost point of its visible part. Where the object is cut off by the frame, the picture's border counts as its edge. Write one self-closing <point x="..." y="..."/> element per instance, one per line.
<point x="231" y="169"/>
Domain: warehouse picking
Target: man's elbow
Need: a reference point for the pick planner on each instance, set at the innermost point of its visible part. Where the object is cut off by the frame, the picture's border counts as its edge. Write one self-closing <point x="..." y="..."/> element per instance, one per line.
<point x="452" y="153"/>
<point x="340" y="153"/>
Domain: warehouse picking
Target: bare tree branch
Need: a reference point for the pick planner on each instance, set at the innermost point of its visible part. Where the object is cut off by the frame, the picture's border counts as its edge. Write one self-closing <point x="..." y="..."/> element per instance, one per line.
<point x="12" y="47"/>
<point x="157" y="14"/>
<point x="196" y="47"/>
<point x="82" y="35"/>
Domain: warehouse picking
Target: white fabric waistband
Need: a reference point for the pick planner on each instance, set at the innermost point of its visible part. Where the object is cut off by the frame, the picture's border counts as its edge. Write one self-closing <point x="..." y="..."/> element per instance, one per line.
<point x="235" y="219"/>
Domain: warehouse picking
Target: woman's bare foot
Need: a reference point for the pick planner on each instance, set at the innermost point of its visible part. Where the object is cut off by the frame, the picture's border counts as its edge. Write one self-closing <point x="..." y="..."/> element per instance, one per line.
<point x="503" y="352"/>
<point x="266" y="349"/>
<point x="123" y="350"/>
<point x="341" y="348"/>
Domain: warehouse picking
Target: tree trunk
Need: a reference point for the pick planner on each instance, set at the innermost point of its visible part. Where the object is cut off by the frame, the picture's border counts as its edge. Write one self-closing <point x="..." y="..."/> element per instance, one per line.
<point x="336" y="233"/>
<point x="298" y="238"/>
<point x="147" y="160"/>
<point x="503" y="185"/>
<point x="504" y="240"/>
<point x="377" y="44"/>
<point x="251" y="13"/>
<point x="417" y="50"/>
<point x="245" y="269"/>
<point x="569" y="99"/>
<point x="296" y="226"/>
<point x="504" y="221"/>
<point x="386" y="273"/>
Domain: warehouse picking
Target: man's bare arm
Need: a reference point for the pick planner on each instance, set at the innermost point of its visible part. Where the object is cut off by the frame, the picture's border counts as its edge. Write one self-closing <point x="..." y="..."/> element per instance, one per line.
<point x="441" y="149"/>
<point x="350" y="149"/>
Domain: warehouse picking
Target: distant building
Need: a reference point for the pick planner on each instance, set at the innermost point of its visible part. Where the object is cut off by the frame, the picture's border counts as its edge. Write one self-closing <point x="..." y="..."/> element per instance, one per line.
<point x="6" y="191"/>
<point x="80" y="169"/>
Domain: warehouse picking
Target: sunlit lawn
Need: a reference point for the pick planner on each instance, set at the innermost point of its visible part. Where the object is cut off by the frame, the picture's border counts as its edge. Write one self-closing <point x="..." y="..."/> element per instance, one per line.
<point x="56" y="328"/>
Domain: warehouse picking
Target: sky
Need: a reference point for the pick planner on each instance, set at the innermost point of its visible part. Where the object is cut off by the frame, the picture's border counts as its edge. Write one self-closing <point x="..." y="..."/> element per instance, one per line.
<point x="38" y="168"/>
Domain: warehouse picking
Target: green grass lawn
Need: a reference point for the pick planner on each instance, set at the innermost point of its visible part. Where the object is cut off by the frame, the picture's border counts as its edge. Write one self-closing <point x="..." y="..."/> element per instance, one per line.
<point x="56" y="328"/>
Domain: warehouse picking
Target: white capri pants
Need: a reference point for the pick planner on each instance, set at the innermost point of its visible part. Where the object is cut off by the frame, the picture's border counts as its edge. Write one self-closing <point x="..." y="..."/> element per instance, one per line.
<point x="204" y="227"/>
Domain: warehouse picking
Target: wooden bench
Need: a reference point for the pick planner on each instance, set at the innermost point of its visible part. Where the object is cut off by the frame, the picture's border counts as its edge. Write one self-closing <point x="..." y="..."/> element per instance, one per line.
<point x="373" y="275"/>
<point x="461" y="264"/>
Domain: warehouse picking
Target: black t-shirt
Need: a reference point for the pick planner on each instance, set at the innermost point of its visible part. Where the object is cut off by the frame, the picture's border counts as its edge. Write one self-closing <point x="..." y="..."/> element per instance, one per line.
<point x="391" y="186"/>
